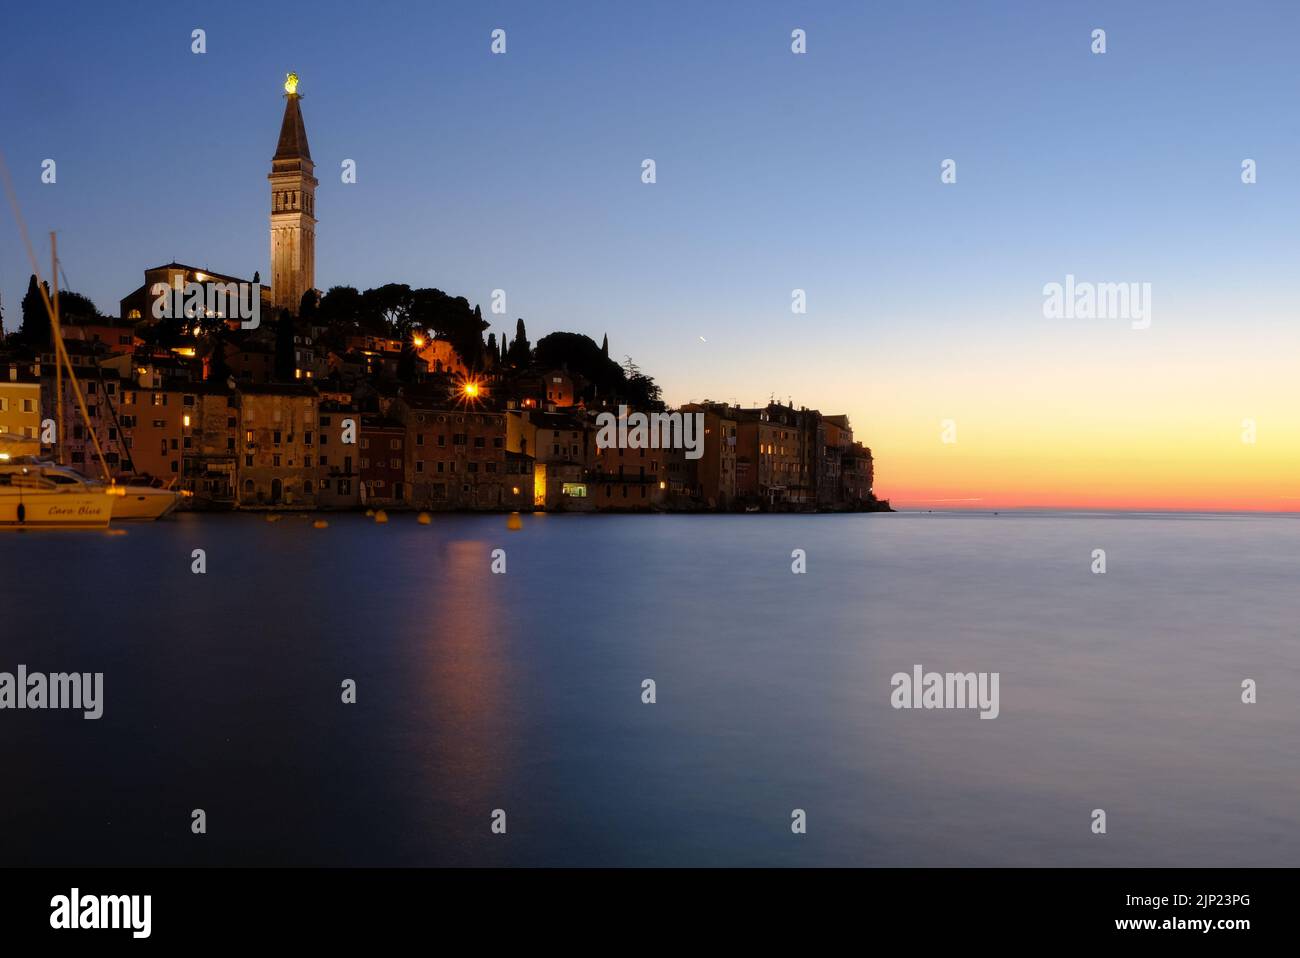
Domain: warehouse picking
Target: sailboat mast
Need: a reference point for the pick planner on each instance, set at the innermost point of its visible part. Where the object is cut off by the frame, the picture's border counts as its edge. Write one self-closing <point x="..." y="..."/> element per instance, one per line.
<point x="62" y="353"/>
<point x="58" y="364"/>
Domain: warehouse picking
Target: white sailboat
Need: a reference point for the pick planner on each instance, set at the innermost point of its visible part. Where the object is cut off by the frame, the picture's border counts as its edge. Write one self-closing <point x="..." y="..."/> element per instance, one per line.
<point x="34" y="492"/>
<point x="144" y="502"/>
<point x="25" y="480"/>
<point x="42" y="495"/>
<point x="141" y="501"/>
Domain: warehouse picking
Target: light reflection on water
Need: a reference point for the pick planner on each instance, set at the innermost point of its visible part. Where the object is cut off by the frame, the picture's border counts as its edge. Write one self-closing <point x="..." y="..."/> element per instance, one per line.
<point x="522" y="691"/>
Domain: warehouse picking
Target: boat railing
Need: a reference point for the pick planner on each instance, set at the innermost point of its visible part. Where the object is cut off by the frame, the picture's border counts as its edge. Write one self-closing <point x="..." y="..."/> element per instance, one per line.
<point x="30" y="480"/>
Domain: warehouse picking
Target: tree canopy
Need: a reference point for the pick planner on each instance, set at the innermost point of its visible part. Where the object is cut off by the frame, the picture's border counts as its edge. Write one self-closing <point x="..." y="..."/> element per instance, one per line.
<point x="73" y="308"/>
<point x="397" y="311"/>
<point x="605" y="379"/>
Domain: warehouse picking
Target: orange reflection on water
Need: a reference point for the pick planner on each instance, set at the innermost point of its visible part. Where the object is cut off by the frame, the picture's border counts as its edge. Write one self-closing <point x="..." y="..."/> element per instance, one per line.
<point x="466" y="677"/>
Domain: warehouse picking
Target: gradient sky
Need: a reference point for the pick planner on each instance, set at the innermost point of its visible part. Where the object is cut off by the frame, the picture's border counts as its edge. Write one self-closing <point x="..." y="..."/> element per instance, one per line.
<point x="775" y="171"/>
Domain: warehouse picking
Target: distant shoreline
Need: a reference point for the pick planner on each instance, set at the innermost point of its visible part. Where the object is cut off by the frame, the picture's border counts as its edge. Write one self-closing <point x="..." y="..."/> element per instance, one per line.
<point x="1032" y="511"/>
<point x="404" y="509"/>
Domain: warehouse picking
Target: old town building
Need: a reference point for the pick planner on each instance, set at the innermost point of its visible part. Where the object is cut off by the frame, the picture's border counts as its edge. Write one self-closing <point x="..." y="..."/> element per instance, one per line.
<point x="20" y="406"/>
<point x="776" y="450"/>
<point x="562" y="446"/>
<point x="277" y="445"/>
<point x="382" y="461"/>
<point x="158" y="426"/>
<point x="715" y="470"/>
<point x="209" y="437"/>
<point x="630" y="479"/>
<point x="338" y="455"/>
<point x="857" y="476"/>
<point x="455" y="453"/>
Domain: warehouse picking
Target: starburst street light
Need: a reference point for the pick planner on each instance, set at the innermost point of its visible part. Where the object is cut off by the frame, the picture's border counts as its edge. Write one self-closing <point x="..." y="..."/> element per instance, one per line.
<point x="467" y="390"/>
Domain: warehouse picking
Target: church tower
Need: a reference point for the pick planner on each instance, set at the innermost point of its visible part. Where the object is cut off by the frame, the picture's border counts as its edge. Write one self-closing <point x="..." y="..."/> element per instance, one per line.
<point x="293" y="208"/>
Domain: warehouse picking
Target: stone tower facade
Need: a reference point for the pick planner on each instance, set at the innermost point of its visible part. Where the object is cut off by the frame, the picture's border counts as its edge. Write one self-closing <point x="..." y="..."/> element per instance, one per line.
<point x="293" y="208"/>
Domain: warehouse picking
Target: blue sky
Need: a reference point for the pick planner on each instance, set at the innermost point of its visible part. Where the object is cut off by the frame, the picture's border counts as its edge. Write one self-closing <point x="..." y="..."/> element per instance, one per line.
<point x="775" y="171"/>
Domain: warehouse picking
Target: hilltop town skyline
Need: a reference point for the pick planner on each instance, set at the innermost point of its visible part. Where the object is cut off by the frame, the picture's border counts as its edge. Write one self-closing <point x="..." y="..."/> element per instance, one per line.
<point x="384" y="398"/>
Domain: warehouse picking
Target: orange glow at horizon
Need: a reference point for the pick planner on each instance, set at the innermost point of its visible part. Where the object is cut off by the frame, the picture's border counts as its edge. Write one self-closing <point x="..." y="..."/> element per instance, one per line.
<point x="1156" y="431"/>
<point x="1058" y="416"/>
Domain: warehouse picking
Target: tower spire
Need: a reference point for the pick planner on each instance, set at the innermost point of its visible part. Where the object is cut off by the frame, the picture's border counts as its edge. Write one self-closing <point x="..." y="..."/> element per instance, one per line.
<point x="293" y="206"/>
<point x="293" y="135"/>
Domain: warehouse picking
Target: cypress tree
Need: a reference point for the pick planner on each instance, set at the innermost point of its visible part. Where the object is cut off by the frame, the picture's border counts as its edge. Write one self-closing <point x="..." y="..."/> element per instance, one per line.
<point x="308" y="305"/>
<point x="284" y="359"/>
<point x="35" y="329"/>
<point x="519" y="348"/>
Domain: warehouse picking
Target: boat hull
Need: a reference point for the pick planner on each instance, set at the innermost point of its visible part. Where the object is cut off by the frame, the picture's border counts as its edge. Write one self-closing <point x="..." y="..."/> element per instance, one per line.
<point x="56" y="510"/>
<point x="143" y="504"/>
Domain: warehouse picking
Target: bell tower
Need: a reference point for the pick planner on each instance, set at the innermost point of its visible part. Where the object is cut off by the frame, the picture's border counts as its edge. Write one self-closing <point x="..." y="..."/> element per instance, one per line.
<point x="293" y="208"/>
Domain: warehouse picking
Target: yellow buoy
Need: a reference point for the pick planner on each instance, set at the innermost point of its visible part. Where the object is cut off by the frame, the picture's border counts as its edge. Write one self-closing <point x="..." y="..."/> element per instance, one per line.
<point x="381" y="516"/>
<point x="424" y="519"/>
<point x="321" y="524"/>
<point x="514" y="523"/>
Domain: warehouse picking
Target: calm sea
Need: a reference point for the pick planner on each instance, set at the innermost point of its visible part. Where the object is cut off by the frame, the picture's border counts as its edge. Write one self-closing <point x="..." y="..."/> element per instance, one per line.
<point x="522" y="691"/>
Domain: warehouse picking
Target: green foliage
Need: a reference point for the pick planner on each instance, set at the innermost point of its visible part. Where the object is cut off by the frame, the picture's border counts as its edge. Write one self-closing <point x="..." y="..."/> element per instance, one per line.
<point x="308" y="306"/>
<point x="640" y="391"/>
<point x="581" y="356"/>
<point x="35" y="330"/>
<point x="519" y="354"/>
<point x="386" y="310"/>
<point x="284" y="358"/>
<point x="218" y="366"/>
<point x="73" y="308"/>
<point x="602" y="377"/>
<point x="397" y="311"/>
<point x="341" y="304"/>
<point x="434" y="311"/>
<point x="406" y="362"/>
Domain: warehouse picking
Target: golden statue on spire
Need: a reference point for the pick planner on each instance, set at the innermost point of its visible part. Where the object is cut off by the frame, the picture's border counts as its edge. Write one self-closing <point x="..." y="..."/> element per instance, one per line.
<point x="291" y="84"/>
